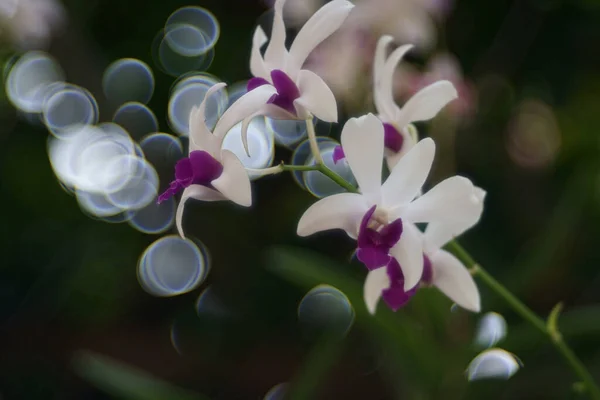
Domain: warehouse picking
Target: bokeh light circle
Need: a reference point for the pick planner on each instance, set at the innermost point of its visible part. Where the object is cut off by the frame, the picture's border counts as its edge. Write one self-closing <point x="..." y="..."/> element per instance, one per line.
<point x="287" y="133"/>
<point x="200" y="20"/>
<point x="96" y="204"/>
<point x="29" y="78"/>
<point x="162" y="151"/>
<point x="127" y="80"/>
<point x="137" y="119"/>
<point x="91" y="159"/>
<point x="315" y="182"/>
<point x="189" y="93"/>
<point x="209" y="304"/>
<point x="491" y="329"/>
<point x="325" y="309"/>
<point x="277" y="392"/>
<point x="302" y="154"/>
<point x="260" y="145"/>
<point x="67" y="105"/>
<point x="154" y="218"/>
<point x="141" y="187"/>
<point x="493" y="364"/>
<point x="173" y="63"/>
<point x="171" y="266"/>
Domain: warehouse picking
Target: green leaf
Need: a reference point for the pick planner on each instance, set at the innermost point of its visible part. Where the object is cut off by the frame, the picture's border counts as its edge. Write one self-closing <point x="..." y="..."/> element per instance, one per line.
<point x="126" y="382"/>
<point x="407" y="346"/>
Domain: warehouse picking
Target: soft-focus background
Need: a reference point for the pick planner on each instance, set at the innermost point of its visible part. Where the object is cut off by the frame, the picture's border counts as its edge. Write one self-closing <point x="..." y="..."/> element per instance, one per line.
<point x="77" y="322"/>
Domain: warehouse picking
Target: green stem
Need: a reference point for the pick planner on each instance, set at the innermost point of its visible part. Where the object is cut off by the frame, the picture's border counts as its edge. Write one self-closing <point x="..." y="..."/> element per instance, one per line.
<point x="549" y="330"/>
<point x="322" y="168"/>
<point x="312" y="139"/>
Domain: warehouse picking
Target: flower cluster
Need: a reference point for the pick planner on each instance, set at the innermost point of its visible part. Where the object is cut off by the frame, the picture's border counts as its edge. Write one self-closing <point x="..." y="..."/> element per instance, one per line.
<point x="382" y="217"/>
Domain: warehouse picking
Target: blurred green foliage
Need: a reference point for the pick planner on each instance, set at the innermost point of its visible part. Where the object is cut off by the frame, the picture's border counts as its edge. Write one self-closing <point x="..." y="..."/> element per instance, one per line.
<point x="69" y="282"/>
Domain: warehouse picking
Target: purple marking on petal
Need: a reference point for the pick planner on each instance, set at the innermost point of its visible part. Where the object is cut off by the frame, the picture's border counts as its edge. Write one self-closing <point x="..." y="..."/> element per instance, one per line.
<point x="284" y="84"/>
<point x="373" y="257"/>
<point x="427" y="276"/>
<point x="374" y="246"/>
<point x="395" y="296"/>
<point x="174" y="187"/>
<point x="338" y="154"/>
<point x="200" y="168"/>
<point x="393" y="139"/>
<point x="287" y="91"/>
<point x="390" y="234"/>
<point x="184" y="172"/>
<point x="362" y="239"/>
<point x="206" y="168"/>
<point x="255" y="82"/>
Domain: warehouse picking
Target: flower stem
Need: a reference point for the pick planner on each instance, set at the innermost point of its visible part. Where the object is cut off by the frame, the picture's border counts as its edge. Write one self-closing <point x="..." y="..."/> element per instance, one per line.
<point x="322" y="168"/>
<point x="312" y="139"/>
<point x="549" y="329"/>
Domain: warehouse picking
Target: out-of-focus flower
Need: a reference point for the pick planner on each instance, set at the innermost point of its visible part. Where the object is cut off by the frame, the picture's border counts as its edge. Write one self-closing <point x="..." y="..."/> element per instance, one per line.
<point x="422" y="106"/>
<point x="372" y="215"/>
<point x="211" y="173"/>
<point x="29" y="24"/>
<point x="300" y="93"/>
<point x="342" y="61"/>
<point x="442" y="66"/>
<point x="407" y="21"/>
<point x="297" y="12"/>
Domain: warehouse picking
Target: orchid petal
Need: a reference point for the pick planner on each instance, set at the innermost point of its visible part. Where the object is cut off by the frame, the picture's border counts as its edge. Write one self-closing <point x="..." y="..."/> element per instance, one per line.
<point x="392" y="158"/>
<point x="380" y="56"/>
<point x="409" y="174"/>
<point x="386" y="86"/>
<point x="269" y="110"/>
<point x="243" y="107"/>
<point x="375" y="283"/>
<point x="234" y="182"/>
<point x="362" y="140"/>
<point x="318" y="28"/>
<point x="451" y="201"/>
<point x="201" y="138"/>
<point x="257" y="64"/>
<point x="454" y="280"/>
<point x="197" y="192"/>
<point x="409" y="254"/>
<point x="276" y="53"/>
<point x="426" y="103"/>
<point x="340" y="211"/>
<point x="315" y="97"/>
<point x="440" y="232"/>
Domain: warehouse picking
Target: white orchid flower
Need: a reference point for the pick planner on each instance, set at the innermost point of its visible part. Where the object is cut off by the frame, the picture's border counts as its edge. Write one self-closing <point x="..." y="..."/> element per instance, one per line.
<point x="299" y="93"/>
<point x="211" y="173"/>
<point x="440" y="268"/>
<point x="400" y="136"/>
<point x="382" y="217"/>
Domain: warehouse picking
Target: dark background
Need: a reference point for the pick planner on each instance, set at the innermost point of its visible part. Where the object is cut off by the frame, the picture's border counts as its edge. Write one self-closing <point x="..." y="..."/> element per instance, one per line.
<point x="68" y="283"/>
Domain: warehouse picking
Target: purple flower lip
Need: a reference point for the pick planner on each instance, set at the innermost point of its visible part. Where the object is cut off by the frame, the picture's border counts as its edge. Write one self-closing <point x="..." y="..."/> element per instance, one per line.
<point x="395" y="296"/>
<point x="287" y="91"/>
<point x="200" y="168"/>
<point x="338" y="154"/>
<point x="392" y="138"/>
<point x="374" y="245"/>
